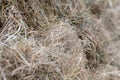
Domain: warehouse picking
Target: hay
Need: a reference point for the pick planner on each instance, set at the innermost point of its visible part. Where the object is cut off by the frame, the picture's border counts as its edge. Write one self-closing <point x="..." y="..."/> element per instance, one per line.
<point x="52" y="40"/>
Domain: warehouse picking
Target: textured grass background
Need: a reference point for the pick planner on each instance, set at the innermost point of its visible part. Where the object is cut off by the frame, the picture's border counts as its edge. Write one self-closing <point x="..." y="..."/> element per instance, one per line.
<point x="59" y="40"/>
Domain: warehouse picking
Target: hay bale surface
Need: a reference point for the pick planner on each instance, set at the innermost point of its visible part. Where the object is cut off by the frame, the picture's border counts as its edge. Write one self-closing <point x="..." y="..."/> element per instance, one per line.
<point x="54" y="40"/>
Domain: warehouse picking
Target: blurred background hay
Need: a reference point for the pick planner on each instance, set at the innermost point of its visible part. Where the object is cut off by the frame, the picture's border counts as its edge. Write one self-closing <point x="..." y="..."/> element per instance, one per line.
<point x="59" y="40"/>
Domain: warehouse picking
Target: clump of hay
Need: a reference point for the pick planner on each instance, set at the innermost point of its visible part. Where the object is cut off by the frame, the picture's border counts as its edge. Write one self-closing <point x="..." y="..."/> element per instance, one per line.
<point x="62" y="58"/>
<point x="48" y="40"/>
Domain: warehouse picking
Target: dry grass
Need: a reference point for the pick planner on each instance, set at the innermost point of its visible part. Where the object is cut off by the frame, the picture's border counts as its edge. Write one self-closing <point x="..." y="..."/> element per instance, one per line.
<point x="56" y="40"/>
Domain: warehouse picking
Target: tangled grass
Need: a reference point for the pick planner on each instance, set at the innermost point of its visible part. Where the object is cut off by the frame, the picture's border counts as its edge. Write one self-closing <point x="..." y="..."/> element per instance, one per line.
<point x="53" y="40"/>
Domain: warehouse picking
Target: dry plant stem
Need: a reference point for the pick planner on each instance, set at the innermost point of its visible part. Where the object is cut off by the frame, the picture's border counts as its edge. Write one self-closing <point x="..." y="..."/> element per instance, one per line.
<point x="3" y="74"/>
